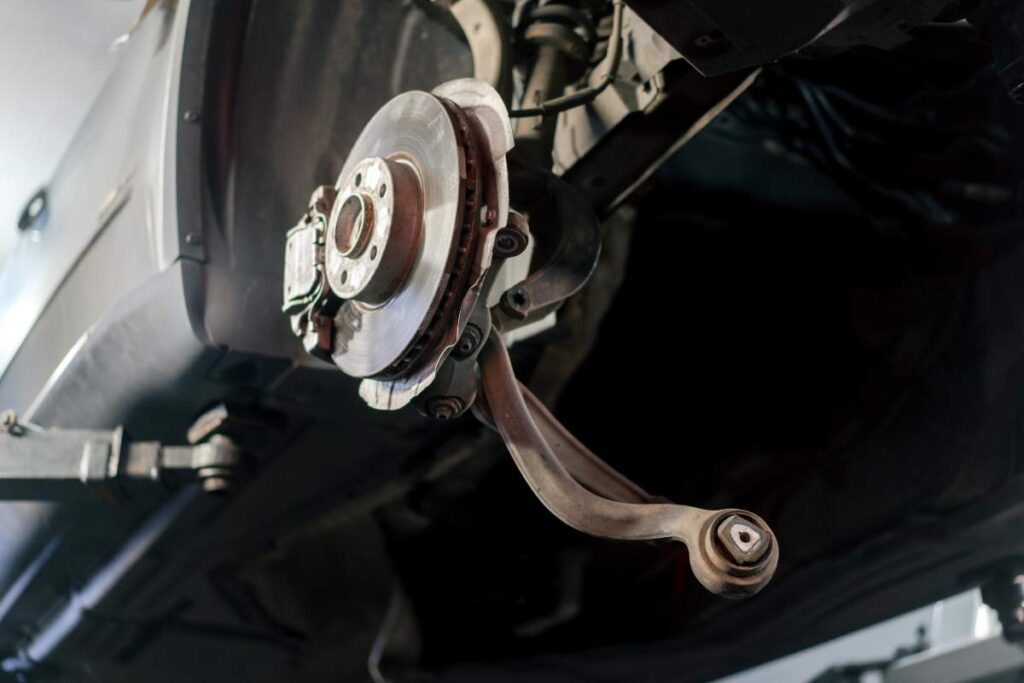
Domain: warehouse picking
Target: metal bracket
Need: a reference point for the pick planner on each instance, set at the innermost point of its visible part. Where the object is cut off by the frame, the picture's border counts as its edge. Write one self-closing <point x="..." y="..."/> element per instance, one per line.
<point x="573" y="258"/>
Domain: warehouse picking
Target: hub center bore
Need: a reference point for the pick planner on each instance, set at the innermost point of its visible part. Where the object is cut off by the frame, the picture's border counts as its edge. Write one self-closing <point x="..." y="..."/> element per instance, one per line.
<point x="373" y="231"/>
<point x="355" y="223"/>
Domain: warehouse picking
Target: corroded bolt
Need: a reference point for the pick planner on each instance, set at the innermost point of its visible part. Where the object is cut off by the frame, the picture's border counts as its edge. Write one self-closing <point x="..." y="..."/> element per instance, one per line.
<point x="444" y="407"/>
<point x="470" y="341"/>
<point x="742" y="539"/>
<point x="513" y="239"/>
<point x="8" y="421"/>
<point x="510" y="242"/>
<point x="516" y="303"/>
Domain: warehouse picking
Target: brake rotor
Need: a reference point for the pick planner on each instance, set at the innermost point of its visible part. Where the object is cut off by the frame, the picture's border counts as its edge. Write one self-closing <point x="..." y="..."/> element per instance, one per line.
<point x="385" y="272"/>
<point x="410" y="234"/>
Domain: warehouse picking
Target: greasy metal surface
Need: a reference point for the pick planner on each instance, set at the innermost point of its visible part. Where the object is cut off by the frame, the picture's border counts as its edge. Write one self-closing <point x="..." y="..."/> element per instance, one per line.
<point x="711" y="559"/>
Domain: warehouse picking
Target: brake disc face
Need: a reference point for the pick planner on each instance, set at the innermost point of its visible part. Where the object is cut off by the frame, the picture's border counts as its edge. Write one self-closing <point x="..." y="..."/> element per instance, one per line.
<point x="403" y="240"/>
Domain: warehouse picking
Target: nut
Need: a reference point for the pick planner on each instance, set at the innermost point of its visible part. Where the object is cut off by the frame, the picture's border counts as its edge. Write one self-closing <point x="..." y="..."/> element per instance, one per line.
<point x="445" y="407"/>
<point x="744" y="542"/>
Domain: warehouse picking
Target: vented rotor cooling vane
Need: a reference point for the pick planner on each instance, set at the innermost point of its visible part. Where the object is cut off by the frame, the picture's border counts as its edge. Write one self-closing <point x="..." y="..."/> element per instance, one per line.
<point x="386" y="276"/>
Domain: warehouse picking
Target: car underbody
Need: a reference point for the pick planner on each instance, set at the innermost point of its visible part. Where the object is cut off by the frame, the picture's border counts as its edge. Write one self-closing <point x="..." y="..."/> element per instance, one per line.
<point x="782" y="255"/>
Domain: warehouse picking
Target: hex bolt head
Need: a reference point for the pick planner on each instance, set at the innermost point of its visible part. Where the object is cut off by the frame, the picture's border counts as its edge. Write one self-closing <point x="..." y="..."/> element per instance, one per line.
<point x="510" y="242"/>
<point x="744" y="542"/>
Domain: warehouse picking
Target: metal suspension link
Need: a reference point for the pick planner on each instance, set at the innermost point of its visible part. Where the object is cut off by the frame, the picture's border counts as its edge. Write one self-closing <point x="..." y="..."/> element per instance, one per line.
<point x="70" y="464"/>
<point x="732" y="552"/>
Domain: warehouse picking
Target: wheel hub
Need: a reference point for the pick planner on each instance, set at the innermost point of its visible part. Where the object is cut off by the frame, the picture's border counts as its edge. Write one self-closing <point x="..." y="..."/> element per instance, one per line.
<point x="407" y="238"/>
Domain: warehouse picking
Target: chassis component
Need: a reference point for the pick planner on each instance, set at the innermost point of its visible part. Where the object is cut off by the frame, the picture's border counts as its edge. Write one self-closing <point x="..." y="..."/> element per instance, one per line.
<point x="62" y="464"/>
<point x="384" y="271"/>
<point x="387" y="275"/>
<point x="252" y="102"/>
<point x="733" y="553"/>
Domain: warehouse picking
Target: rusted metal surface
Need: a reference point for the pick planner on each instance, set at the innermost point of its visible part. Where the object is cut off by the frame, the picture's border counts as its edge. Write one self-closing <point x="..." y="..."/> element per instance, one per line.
<point x="513" y="239"/>
<point x="732" y="552"/>
<point x="385" y="270"/>
<point x="388" y="340"/>
<point x="374" y="230"/>
<point x="572" y="261"/>
<point x="582" y="464"/>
